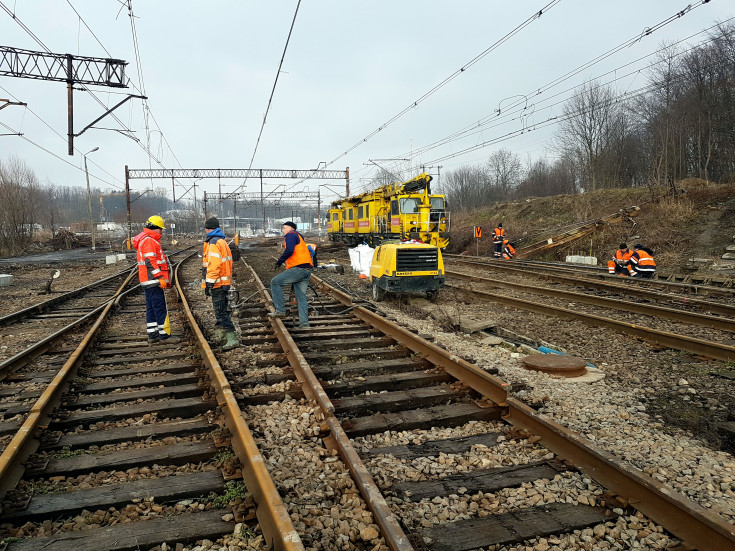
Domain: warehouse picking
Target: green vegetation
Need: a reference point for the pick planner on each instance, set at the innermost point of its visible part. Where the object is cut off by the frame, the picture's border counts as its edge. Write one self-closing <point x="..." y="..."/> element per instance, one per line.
<point x="233" y="490"/>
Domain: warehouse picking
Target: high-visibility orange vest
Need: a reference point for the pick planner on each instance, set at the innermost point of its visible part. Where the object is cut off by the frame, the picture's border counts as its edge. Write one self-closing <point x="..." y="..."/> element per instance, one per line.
<point x="509" y="251"/>
<point x="498" y="235"/>
<point x="620" y="255"/>
<point x="641" y="261"/>
<point x="216" y="263"/>
<point x="301" y="254"/>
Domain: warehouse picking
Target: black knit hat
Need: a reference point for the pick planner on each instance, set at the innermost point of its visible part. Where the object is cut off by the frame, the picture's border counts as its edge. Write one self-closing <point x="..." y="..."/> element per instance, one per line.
<point x="290" y="225"/>
<point x="211" y="223"/>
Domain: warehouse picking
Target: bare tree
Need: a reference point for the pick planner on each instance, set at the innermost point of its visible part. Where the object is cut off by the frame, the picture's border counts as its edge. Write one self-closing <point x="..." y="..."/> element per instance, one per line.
<point x="591" y="122"/>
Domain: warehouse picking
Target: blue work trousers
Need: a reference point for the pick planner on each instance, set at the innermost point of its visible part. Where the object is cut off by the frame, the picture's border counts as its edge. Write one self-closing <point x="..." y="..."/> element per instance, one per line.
<point x="219" y="303"/>
<point x="155" y="311"/>
<point x="300" y="279"/>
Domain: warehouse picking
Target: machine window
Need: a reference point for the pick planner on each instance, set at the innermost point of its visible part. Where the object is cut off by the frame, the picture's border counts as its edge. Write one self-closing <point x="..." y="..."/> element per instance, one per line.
<point x="409" y="205"/>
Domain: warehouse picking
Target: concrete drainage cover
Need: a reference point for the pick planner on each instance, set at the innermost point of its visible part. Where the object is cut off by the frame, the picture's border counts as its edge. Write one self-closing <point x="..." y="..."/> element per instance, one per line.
<point x="554" y="364"/>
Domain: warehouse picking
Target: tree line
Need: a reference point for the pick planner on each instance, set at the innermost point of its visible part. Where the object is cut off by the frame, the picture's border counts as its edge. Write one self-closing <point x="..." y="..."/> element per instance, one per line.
<point x="679" y="124"/>
<point x="29" y="207"/>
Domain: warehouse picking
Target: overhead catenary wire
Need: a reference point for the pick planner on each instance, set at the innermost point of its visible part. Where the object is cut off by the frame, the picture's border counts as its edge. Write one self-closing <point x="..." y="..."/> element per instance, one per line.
<point x="273" y="91"/>
<point x="491" y="122"/>
<point x="536" y="15"/>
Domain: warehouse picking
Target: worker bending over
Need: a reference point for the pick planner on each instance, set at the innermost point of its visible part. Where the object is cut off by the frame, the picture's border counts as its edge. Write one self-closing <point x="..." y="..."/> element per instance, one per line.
<point x="509" y="250"/>
<point x="298" y="261"/>
<point x="641" y="262"/>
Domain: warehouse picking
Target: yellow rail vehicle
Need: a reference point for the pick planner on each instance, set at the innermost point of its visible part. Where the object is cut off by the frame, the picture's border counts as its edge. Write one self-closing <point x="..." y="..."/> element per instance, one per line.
<point x="402" y="210"/>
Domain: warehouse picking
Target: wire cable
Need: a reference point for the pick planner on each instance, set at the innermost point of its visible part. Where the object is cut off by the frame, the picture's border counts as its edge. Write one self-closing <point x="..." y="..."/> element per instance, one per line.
<point x="270" y="100"/>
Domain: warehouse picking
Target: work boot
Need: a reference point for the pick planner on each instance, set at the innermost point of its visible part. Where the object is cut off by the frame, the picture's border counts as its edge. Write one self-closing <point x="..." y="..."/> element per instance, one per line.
<point x="218" y="336"/>
<point x="153" y="340"/>
<point x="232" y="341"/>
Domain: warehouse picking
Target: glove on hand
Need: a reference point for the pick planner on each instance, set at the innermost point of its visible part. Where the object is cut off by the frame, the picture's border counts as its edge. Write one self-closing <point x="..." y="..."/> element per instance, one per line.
<point x="207" y="291"/>
<point x="276" y="266"/>
<point x="163" y="283"/>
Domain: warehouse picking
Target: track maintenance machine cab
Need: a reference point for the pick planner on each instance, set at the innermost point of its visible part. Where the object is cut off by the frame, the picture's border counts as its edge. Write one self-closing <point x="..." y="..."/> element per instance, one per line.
<point x="401" y="210"/>
<point x="407" y="267"/>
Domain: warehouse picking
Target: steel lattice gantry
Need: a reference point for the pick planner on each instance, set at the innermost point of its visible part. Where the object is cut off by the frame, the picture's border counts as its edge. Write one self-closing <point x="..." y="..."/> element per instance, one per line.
<point x="260" y="173"/>
<point x="15" y="62"/>
<point x="236" y="173"/>
<point x="72" y="69"/>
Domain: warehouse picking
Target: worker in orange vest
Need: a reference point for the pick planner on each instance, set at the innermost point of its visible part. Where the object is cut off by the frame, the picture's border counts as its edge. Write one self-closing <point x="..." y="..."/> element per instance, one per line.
<point x="641" y="262"/>
<point x="216" y="280"/>
<point x="299" y="263"/>
<point x="498" y="237"/>
<point x="619" y="262"/>
<point x="509" y="250"/>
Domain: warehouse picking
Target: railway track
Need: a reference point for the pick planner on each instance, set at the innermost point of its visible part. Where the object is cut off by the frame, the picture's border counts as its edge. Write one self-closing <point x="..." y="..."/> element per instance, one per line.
<point x="123" y="445"/>
<point x="360" y="422"/>
<point x="391" y="404"/>
<point x="690" y="314"/>
<point x="690" y="284"/>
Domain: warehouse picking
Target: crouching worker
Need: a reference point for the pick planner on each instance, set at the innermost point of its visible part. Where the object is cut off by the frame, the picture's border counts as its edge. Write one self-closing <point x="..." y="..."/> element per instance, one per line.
<point x="216" y="280"/>
<point x="619" y="262"/>
<point x="641" y="262"/>
<point x="153" y="277"/>
<point x="509" y="250"/>
<point x="298" y="261"/>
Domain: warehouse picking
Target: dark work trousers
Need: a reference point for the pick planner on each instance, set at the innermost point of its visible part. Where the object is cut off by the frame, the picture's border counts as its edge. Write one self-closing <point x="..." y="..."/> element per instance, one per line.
<point x="497" y="249"/>
<point x="219" y="303"/>
<point x="155" y="312"/>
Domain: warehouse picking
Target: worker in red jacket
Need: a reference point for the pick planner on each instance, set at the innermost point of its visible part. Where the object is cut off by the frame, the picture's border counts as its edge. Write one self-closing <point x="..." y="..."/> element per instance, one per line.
<point x="641" y="263"/>
<point x="153" y="276"/>
<point x="619" y="262"/>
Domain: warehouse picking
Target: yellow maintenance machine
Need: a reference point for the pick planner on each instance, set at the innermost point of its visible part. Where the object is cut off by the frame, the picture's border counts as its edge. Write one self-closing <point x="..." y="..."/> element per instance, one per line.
<point x="401" y="210"/>
<point x="407" y="267"/>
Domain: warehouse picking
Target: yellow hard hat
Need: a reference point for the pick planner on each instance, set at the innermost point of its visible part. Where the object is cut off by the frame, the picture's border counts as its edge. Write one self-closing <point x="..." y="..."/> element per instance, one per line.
<point x="157" y="221"/>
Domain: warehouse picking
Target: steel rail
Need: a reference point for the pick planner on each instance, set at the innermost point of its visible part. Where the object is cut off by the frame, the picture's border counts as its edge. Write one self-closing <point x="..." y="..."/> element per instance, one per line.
<point x="59" y="299"/>
<point x="271" y="512"/>
<point x="664" y="338"/>
<point x="22" y="358"/>
<point x="724" y="324"/>
<point x="613" y="286"/>
<point x="632" y="290"/>
<point x="682" y="517"/>
<point x="24" y="443"/>
<point x="390" y="528"/>
<point x="600" y="274"/>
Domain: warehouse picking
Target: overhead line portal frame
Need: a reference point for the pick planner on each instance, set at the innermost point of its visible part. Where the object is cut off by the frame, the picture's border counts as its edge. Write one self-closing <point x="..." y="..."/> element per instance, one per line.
<point x="174" y="173"/>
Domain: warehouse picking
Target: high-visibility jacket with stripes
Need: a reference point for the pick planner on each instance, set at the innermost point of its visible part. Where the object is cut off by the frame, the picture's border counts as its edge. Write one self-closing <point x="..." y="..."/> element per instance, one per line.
<point x="509" y="251"/>
<point x="152" y="262"/>
<point x="642" y="261"/>
<point x="216" y="263"/>
<point x="623" y="255"/>
<point x="498" y="235"/>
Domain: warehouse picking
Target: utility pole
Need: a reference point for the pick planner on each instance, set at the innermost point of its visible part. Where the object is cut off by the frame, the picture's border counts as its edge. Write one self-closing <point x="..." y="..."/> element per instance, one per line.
<point x="127" y="203"/>
<point x="89" y="200"/>
<point x="347" y="178"/>
<point x="262" y="201"/>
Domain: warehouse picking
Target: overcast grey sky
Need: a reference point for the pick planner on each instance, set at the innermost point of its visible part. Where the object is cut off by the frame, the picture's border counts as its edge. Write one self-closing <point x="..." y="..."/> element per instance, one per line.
<point x="208" y="70"/>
